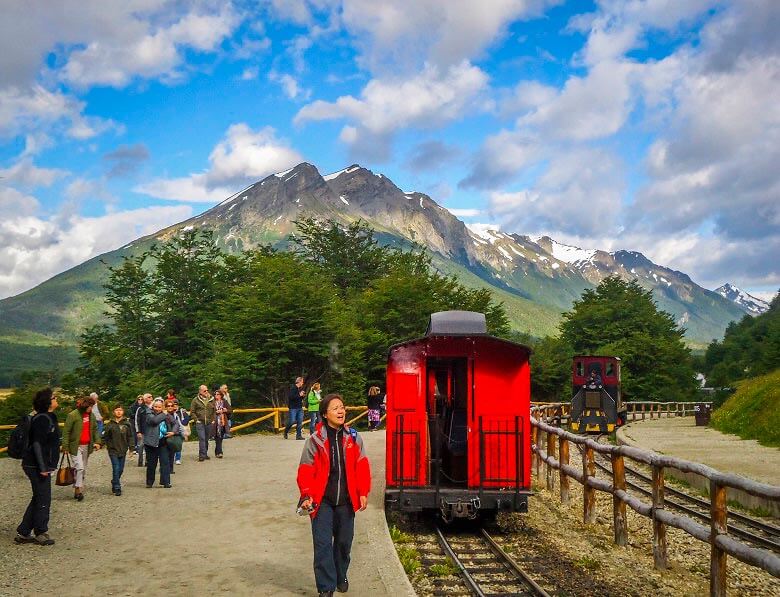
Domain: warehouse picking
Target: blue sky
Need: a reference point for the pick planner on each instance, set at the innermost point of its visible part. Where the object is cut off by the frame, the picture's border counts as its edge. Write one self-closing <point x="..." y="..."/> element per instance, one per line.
<point x="648" y="125"/>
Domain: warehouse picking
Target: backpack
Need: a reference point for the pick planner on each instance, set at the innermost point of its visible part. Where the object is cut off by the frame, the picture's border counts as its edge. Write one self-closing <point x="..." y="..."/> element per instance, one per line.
<point x="19" y="442"/>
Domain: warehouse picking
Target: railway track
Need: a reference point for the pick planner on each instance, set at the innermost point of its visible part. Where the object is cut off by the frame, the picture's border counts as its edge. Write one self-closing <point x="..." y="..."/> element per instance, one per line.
<point x="485" y="568"/>
<point x="745" y="527"/>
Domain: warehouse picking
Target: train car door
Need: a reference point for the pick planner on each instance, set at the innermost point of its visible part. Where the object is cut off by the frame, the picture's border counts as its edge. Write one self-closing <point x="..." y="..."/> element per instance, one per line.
<point x="498" y="417"/>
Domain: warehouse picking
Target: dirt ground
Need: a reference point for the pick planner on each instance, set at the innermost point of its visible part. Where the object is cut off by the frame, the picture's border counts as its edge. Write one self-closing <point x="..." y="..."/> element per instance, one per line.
<point x="225" y="526"/>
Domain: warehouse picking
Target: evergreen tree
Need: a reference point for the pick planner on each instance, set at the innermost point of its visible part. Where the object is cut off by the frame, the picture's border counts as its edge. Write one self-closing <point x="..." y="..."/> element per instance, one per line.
<point x="621" y="319"/>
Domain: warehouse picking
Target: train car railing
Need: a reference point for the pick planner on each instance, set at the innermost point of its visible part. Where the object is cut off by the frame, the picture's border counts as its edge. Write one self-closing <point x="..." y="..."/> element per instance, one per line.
<point x="544" y="422"/>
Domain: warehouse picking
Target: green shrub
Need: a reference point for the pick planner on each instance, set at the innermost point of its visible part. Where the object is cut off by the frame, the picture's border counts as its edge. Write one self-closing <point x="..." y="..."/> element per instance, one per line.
<point x="410" y="559"/>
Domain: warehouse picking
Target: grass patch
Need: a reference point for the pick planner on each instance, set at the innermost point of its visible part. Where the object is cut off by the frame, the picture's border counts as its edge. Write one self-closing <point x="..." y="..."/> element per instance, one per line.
<point x="752" y="413"/>
<point x="588" y="563"/>
<point x="410" y="559"/>
<point x="398" y="536"/>
<point x="446" y="568"/>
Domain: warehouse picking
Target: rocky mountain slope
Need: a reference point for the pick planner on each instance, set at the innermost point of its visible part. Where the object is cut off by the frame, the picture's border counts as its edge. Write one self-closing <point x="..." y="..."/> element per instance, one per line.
<point x="537" y="278"/>
<point x="748" y="302"/>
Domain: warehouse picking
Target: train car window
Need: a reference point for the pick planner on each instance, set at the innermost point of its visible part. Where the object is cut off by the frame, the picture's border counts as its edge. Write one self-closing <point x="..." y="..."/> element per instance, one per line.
<point x="580" y="369"/>
<point x="610" y="369"/>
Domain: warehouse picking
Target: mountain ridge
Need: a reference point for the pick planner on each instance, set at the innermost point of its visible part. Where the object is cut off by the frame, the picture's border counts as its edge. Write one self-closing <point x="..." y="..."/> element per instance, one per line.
<point x="521" y="270"/>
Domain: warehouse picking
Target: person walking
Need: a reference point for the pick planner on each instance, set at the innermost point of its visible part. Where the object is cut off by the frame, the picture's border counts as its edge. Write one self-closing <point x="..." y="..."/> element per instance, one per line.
<point x="222" y="412"/>
<point x="140" y="425"/>
<point x="374" y="403"/>
<point x="184" y="420"/>
<point x="226" y="394"/>
<point x="295" y="408"/>
<point x="202" y="412"/>
<point x="171" y="439"/>
<point x="334" y="479"/>
<point x="152" y="435"/>
<point x="79" y="439"/>
<point x="38" y="463"/>
<point x="100" y="410"/>
<point x="139" y="400"/>
<point x="118" y="439"/>
<point x="313" y="401"/>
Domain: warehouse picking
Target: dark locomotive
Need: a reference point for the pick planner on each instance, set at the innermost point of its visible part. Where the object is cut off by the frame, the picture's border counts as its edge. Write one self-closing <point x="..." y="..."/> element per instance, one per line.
<point x="597" y="405"/>
<point x="458" y="429"/>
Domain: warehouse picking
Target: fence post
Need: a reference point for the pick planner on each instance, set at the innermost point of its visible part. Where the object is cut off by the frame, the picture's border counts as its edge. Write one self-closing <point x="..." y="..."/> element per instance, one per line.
<point x="588" y="492"/>
<point x="718" y="516"/>
<point x="539" y="456"/>
<point x="659" y="529"/>
<point x="643" y="411"/>
<point x="619" y="522"/>
<point x="276" y="421"/>
<point x="550" y="469"/>
<point x="534" y="455"/>
<point x="563" y="452"/>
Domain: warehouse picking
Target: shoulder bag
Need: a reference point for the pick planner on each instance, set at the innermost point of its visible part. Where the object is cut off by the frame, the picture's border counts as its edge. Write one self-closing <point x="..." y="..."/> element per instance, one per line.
<point x="66" y="474"/>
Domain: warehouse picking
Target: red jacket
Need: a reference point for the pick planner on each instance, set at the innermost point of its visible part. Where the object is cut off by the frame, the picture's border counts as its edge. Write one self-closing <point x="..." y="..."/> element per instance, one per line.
<point x="314" y="468"/>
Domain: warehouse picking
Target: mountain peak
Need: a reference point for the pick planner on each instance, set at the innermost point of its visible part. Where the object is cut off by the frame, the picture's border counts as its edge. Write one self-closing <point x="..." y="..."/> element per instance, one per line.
<point x="751" y="304"/>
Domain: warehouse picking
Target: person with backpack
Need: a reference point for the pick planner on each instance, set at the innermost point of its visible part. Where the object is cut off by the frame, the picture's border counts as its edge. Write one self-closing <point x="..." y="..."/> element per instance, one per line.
<point x="40" y="449"/>
<point x="313" y="402"/>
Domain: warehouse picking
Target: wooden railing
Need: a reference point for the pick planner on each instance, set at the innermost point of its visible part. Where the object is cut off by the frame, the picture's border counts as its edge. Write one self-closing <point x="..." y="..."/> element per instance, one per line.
<point x="267" y="413"/>
<point x="544" y="420"/>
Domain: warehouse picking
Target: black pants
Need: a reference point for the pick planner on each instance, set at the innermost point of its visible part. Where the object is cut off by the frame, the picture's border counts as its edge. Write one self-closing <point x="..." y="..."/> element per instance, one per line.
<point x="36" y="517"/>
<point x="153" y="454"/>
<point x="332" y="530"/>
<point x="218" y="437"/>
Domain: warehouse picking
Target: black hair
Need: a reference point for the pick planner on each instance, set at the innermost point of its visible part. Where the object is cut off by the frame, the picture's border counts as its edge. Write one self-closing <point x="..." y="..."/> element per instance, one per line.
<point x="326" y="402"/>
<point x="42" y="400"/>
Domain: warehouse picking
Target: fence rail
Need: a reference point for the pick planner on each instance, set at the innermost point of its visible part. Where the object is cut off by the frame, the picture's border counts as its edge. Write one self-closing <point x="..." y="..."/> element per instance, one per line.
<point x="545" y="420"/>
<point x="274" y="413"/>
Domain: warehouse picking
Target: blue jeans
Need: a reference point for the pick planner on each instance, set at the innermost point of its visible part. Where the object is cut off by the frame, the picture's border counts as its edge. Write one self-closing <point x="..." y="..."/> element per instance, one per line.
<point x="203" y="431"/>
<point x="314" y="417"/>
<point x="332" y="531"/>
<point x="100" y="427"/>
<point x="117" y="467"/>
<point x="294" y="416"/>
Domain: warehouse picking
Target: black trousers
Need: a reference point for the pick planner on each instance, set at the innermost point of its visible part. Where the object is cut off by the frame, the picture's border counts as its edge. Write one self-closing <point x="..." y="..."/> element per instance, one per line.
<point x="332" y="530"/>
<point x="36" y="517"/>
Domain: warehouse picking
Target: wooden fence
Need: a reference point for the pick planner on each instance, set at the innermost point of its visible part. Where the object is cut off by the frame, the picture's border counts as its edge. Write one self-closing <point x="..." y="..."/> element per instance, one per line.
<point x="545" y="420"/>
<point x="274" y="414"/>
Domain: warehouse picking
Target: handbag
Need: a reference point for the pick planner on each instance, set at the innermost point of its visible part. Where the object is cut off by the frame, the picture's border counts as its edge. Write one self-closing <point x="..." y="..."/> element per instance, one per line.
<point x="66" y="474"/>
<point x="176" y="442"/>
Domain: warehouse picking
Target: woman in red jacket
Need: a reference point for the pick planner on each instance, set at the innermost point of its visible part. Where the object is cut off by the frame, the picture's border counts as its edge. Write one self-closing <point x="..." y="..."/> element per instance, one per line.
<point x="334" y="478"/>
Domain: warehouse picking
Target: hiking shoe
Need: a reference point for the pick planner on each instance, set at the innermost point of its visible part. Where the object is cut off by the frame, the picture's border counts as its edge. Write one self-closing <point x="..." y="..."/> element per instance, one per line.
<point x="285" y="437"/>
<point x="219" y="455"/>
<point x="167" y="486"/>
<point x="148" y="486"/>
<point x="300" y="438"/>
<point x="21" y="539"/>
<point x="79" y="497"/>
<point x="118" y="492"/>
<point x="343" y="587"/>
<point x="43" y="539"/>
<point x="178" y="462"/>
<point x="326" y="593"/>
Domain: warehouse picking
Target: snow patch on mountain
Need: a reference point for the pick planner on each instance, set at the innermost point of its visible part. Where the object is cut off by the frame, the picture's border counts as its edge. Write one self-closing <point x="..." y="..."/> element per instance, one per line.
<point x="340" y="172"/>
<point x="488" y="232"/>
<point x="750" y="303"/>
<point x="570" y="254"/>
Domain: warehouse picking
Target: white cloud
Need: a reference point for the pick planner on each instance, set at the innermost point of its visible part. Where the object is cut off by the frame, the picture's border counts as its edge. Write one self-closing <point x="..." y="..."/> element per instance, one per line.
<point x="290" y="86"/>
<point x="428" y="99"/>
<point x="35" y="249"/>
<point x="405" y="34"/>
<point x="241" y="157"/>
<point x="142" y="49"/>
<point x="25" y="173"/>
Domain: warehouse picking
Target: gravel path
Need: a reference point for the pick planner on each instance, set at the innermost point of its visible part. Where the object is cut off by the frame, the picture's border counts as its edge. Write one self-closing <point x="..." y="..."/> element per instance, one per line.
<point x="226" y="526"/>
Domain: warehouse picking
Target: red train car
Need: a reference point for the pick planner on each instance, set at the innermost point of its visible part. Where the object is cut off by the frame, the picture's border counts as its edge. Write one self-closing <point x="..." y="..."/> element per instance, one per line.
<point x="458" y="429"/>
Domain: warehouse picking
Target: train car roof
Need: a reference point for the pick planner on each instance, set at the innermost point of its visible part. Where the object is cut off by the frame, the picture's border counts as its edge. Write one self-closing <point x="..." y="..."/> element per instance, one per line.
<point x="457" y="324"/>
